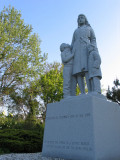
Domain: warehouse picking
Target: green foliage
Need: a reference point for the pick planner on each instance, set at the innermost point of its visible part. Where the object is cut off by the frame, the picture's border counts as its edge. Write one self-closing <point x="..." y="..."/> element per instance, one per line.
<point x="11" y="122"/>
<point x="77" y="90"/>
<point x="15" y="122"/>
<point x="114" y="93"/>
<point x="20" y="141"/>
<point x="52" y="83"/>
<point x="6" y="122"/>
<point x="21" y="61"/>
<point x="17" y="136"/>
<point x="4" y="150"/>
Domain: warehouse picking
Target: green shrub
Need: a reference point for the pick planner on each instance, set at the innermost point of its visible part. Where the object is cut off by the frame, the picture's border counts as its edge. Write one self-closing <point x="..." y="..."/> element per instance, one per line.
<point x="20" y="136"/>
<point x="4" y="150"/>
<point x="21" y="141"/>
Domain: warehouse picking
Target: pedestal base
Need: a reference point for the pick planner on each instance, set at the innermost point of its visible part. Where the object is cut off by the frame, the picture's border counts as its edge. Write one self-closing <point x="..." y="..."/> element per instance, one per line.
<point x="82" y="128"/>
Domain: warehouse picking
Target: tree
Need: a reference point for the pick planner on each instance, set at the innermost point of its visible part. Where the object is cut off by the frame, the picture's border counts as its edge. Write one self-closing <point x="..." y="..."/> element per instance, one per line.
<point x="27" y="103"/>
<point x="114" y="93"/>
<point x="51" y="83"/>
<point x="21" y="61"/>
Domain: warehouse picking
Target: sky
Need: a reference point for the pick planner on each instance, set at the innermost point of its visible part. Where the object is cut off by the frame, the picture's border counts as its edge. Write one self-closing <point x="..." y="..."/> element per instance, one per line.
<point x="56" y="20"/>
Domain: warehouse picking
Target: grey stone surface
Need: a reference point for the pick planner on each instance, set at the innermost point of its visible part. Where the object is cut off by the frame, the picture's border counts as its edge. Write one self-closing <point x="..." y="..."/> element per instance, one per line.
<point x="82" y="36"/>
<point x="78" y="65"/>
<point x="82" y="128"/>
<point x="67" y="60"/>
<point x="94" y="70"/>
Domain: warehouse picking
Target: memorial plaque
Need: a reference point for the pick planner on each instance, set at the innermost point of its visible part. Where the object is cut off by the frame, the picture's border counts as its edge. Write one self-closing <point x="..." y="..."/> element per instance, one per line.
<point x="82" y="128"/>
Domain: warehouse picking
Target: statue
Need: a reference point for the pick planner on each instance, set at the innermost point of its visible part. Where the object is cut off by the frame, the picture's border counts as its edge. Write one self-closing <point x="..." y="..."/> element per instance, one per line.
<point x="67" y="60"/>
<point x="81" y="61"/>
<point x="82" y="36"/>
<point x="94" y="70"/>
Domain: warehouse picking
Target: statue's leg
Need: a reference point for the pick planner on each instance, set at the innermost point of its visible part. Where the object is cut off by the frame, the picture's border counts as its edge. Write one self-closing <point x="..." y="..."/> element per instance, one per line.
<point x="66" y="82"/>
<point x="81" y="83"/>
<point x="92" y="84"/>
<point x="97" y="85"/>
<point x="73" y="85"/>
<point x="88" y="82"/>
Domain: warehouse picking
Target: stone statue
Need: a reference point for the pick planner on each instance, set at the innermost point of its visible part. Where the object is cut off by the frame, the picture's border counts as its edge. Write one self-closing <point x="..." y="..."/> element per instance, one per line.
<point x="67" y="60"/>
<point x="94" y="70"/>
<point x="82" y="36"/>
<point x="81" y="61"/>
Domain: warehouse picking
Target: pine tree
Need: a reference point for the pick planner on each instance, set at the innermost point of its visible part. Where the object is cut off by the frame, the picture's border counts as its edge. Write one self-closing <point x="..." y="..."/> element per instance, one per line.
<point x="114" y="93"/>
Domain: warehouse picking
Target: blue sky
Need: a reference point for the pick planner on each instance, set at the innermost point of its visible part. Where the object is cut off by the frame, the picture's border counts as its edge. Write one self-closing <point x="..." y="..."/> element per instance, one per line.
<point x="56" y="20"/>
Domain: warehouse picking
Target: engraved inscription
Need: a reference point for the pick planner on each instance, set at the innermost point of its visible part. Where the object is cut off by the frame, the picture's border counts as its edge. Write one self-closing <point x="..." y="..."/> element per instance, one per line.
<point x="86" y="115"/>
<point x="83" y="146"/>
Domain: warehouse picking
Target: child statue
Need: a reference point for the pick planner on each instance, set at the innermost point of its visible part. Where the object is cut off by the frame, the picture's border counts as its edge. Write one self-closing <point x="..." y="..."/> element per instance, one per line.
<point x="67" y="60"/>
<point x="94" y="62"/>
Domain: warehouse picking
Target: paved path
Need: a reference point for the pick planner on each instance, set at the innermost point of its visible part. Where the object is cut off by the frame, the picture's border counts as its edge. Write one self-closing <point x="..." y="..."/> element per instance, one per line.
<point x="25" y="156"/>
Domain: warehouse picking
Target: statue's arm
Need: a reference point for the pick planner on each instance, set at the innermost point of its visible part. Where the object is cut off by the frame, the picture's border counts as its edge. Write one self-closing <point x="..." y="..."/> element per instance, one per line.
<point x="67" y="58"/>
<point x="73" y="40"/>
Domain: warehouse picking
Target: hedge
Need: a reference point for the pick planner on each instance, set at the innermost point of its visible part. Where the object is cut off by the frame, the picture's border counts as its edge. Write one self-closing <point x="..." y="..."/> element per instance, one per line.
<point x="20" y="141"/>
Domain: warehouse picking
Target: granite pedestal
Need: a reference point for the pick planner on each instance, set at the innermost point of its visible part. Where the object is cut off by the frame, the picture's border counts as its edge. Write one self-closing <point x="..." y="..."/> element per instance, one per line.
<point x="82" y="128"/>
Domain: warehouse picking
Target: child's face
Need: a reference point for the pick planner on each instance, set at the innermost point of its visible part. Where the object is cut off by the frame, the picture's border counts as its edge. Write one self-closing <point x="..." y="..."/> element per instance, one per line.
<point x="68" y="48"/>
<point x="62" y="49"/>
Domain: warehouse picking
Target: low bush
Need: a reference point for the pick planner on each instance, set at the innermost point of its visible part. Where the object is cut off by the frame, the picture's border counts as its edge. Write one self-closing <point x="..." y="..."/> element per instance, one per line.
<point x="21" y="141"/>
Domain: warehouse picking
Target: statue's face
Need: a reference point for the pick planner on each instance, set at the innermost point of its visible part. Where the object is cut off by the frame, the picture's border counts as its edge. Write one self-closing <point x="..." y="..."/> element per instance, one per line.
<point x="81" y="20"/>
